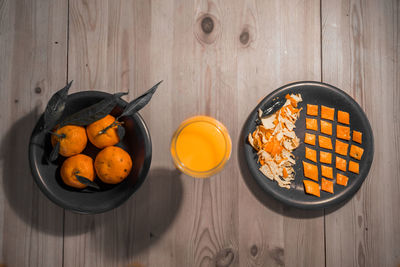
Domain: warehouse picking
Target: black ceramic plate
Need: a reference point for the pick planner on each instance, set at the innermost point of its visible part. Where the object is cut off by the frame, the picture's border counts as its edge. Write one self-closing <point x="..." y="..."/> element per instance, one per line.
<point x="318" y="94"/>
<point x="47" y="176"/>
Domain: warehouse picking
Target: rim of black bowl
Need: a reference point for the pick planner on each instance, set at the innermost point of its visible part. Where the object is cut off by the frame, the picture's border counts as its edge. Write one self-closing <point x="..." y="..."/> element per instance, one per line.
<point x="141" y="176"/>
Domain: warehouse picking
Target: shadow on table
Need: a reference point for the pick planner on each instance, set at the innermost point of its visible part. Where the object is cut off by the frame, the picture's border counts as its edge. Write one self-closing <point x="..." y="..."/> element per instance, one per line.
<point x="138" y="223"/>
<point x="269" y="201"/>
<point x="20" y="190"/>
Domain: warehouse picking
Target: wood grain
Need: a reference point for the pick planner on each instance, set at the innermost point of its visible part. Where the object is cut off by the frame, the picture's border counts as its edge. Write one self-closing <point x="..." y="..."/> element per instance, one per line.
<point x="120" y="34"/>
<point x="218" y="58"/>
<point x="108" y="51"/>
<point x="33" y="66"/>
<point x="283" y="46"/>
<point x="212" y="209"/>
<point x="361" y="56"/>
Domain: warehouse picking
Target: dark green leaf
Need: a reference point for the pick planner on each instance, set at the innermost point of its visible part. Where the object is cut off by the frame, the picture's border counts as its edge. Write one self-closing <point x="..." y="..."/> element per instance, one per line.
<point x="94" y="112"/>
<point x="121" y="132"/>
<point x="274" y="108"/>
<point x="54" y="152"/>
<point x="87" y="182"/>
<point x="137" y="104"/>
<point x="55" y="107"/>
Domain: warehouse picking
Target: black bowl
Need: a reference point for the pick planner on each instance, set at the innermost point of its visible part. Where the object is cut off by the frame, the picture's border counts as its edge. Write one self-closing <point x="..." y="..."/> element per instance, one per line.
<point x="318" y="94"/>
<point x="46" y="174"/>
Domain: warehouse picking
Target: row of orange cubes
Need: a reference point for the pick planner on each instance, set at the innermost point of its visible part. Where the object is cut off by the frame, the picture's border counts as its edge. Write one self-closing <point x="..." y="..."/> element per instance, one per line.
<point x="341" y="148"/>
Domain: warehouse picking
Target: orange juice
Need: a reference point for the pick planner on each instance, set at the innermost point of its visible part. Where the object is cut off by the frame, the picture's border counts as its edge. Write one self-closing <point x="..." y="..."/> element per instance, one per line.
<point x="201" y="146"/>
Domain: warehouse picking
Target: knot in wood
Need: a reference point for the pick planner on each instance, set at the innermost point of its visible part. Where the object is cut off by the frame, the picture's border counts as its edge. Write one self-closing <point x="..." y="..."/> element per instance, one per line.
<point x="224" y="258"/>
<point x="38" y="90"/>
<point x="207" y="25"/>
<point x="278" y="254"/>
<point x="244" y="37"/>
<point x="207" y="29"/>
<point x="253" y="250"/>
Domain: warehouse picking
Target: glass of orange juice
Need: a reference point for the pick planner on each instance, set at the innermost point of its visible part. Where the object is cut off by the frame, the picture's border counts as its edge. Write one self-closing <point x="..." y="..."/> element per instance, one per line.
<point x="201" y="146"/>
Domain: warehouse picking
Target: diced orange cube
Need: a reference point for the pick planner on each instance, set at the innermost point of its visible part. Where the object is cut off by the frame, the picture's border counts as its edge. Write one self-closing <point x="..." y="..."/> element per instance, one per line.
<point x="312" y="124"/>
<point x="311" y="154"/>
<point x="327" y="185"/>
<point x="326" y="127"/>
<point x="343" y="132"/>
<point x="341" y="179"/>
<point x="310" y="171"/>
<point x="325" y="157"/>
<point x="309" y="139"/>
<point x="343" y="117"/>
<point x="325" y="142"/>
<point x="327" y="113"/>
<point x="341" y="147"/>
<point x="357" y="137"/>
<point x="326" y="171"/>
<point x="354" y="167"/>
<point x="312" y="110"/>
<point x="341" y="164"/>
<point x="311" y="188"/>
<point x="356" y="152"/>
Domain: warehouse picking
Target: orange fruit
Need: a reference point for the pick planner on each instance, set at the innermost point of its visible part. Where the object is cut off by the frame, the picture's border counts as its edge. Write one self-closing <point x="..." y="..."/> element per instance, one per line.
<point x="112" y="165"/>
<point x="73" y="142"/>
<point x="102" y="140"/>
<point x="79" y="164"/>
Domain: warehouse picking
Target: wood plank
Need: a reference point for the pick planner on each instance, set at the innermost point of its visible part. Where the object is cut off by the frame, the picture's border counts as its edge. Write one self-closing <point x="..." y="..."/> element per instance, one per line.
<point x="204" y="77"/>
<point x="33" y="58"/>
<point x="109" y="51"/>
<point x="279" y="43"/>
<point x="361" y="56"/>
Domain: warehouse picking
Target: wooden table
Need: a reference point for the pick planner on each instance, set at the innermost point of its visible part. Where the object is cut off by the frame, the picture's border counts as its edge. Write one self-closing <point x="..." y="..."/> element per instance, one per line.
<point x="216" y="58"/>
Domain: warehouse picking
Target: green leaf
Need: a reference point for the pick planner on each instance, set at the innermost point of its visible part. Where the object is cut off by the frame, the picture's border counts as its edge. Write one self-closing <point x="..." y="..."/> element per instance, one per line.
<point x="87" y="182"/>
<point x="137" y="104"/>
<point x="54" y="153"/>
<point x="121" y="132"/>
<point x="94" y="112"/>
<point x="55" y="107"/>
<point x="277" y="105"/>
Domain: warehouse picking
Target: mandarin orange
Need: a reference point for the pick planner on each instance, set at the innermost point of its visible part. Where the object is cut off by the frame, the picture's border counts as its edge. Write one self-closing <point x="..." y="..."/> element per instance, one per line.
<point x="99" y="139"/>
<point x="72" y="140"/>
<point x="77" y="165"/>
<point x="112" y="165"/>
